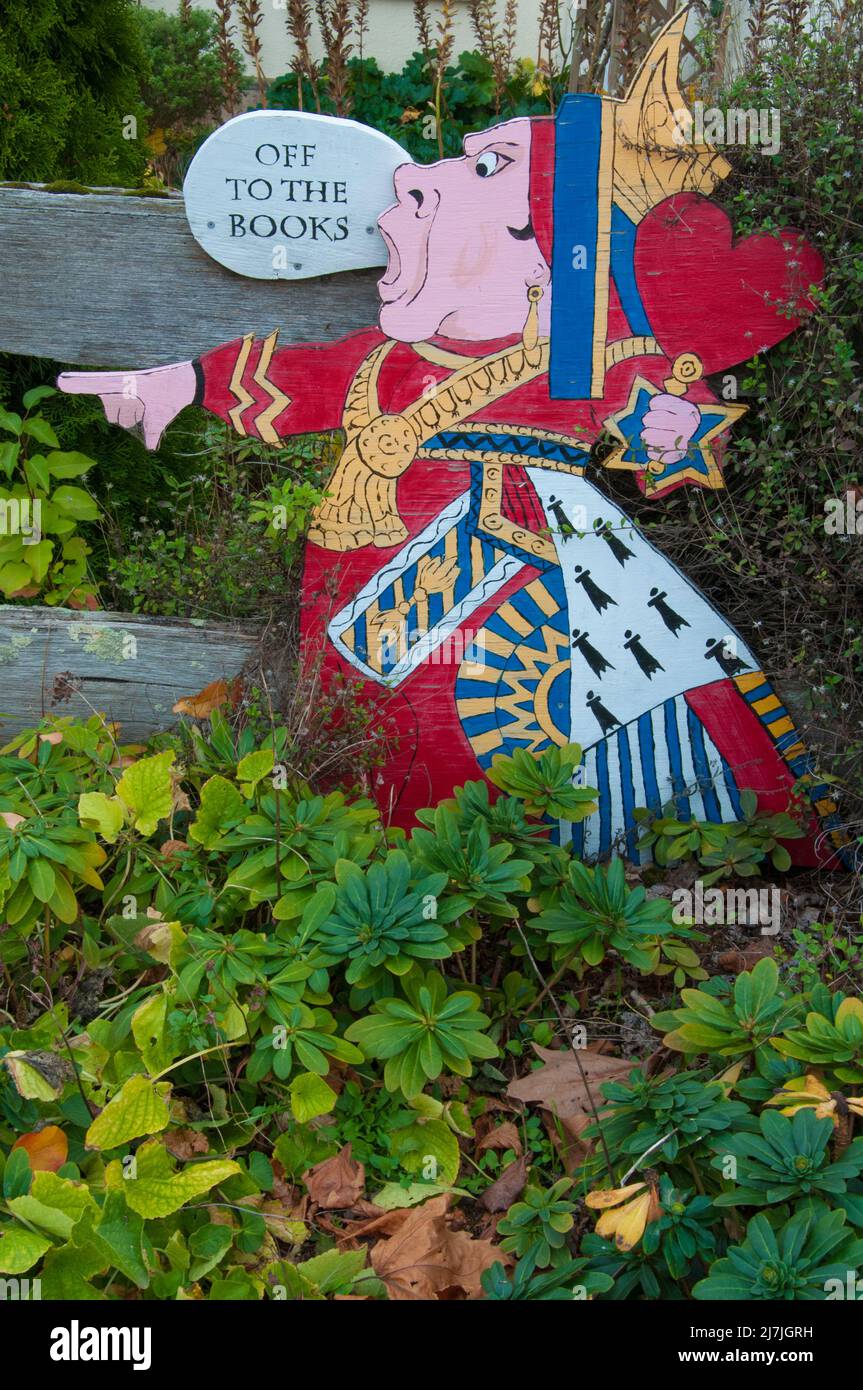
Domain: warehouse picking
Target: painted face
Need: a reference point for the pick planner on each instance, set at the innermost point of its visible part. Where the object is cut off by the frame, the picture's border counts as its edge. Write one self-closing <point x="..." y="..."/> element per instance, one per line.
<point x="461" y="245"/>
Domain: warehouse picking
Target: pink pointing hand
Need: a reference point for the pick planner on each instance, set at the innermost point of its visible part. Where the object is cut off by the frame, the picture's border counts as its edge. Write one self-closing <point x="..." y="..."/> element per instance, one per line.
<point x="668" y="426"/>
<point x="150" y="399"/>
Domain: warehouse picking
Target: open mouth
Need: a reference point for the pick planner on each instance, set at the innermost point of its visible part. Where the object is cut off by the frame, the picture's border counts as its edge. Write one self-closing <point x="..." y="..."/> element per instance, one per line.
<point x="406" y="237"/>
<point x="394" y="262"/>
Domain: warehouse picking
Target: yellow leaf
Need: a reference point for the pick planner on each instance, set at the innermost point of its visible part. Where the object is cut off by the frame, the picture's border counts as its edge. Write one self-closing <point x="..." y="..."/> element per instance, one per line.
<point x="37" y="1075"/>
<point x="147" y="790"/>
<point x="149" y="1029"/>
<point x="848" y="1009"/>
<point x="801" y="1091"/>
<point x="53" y="1204"/>
<point x="104" y="814"/>
<point x="138" y="1108"/>
<point x="254" y="767"/>
<point x="156" y="1190"/>
<point x="627" y="1223"/>
<point x="161" y="940"/>
<point x="612" y="1197"/>
<point x="20" y="1249"/>
<point x="729" y="1078"/>
<point x="156" y="141"/>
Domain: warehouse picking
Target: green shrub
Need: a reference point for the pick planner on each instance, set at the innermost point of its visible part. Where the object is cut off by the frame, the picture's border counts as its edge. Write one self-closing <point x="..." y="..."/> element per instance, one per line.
<point x="402" y="104"/>
<point x="597" y="911"/>
<point x="181" y="87"/>
<point x="239" y="969"/>
<point x="182" y="84"/>
<point x="70" y="73"/>
<point x="832" y="1037"/>
<point x="757" y="1010"/>
<point x="788" y="1159"/>
<point x="41" y="553"/>
<point x="738" y="847"/>
<point x="422" y="1034"/>
<point x="793" y="1260"/>
<point x="535" y="1228"/>
<point x="665" y="1115"/>
<point x="679" y="1241"/>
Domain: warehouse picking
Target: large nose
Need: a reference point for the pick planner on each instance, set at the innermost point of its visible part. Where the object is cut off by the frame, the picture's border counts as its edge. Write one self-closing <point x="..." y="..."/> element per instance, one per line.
<point x="415" y="189"/>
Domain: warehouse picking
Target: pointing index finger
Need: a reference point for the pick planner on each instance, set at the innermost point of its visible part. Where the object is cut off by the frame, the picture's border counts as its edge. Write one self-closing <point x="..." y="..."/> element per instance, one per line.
<point x="90" y="383"/>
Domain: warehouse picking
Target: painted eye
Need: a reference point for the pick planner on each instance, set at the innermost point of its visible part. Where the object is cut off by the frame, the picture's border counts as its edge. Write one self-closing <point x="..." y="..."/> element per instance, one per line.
<point x="491" y="163"/>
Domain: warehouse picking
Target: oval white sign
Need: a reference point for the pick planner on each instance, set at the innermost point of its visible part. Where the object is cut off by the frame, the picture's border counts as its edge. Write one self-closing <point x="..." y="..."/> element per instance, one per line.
<point x="280" y="195"/>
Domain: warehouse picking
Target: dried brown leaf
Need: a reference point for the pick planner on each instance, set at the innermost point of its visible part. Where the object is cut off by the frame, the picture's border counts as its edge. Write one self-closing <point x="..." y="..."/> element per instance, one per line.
<point x="506" y="1136"/>
<point x="508" y="1187"/>
<point x="425" y="1259"/>
<point x="566" y="1136"/>
<point x="559" y="1086"/>
<point x="336" y="1182"/>
<point x="738" y="961"/>
<point x="212" y="697"/>
<point x="170" y="848"/>
<point x="186" y="1143"/>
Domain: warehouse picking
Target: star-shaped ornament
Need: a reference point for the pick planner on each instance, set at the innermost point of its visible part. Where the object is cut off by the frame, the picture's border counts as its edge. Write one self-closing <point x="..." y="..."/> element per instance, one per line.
<point x="698" y="463"/>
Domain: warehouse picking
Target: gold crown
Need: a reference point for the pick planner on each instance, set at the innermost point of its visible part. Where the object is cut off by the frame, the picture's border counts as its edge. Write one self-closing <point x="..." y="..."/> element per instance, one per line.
<point x="653" y="156"/>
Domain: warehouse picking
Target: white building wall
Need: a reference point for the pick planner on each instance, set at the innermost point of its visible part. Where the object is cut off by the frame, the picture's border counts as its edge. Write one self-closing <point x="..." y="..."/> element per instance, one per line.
<point x="391" y="38"/>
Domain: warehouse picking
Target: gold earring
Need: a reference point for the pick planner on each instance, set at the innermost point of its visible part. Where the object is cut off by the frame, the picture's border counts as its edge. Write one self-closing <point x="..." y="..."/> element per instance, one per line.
<point x="530" y="332"/>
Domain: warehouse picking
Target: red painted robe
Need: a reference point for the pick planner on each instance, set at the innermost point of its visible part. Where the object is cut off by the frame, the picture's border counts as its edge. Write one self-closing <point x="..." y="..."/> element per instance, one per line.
<point x="264" y="391"/>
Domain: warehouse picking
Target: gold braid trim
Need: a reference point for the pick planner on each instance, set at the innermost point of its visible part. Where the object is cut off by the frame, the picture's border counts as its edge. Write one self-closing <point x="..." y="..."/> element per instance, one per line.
<point x="361" y="505"/>
<point x="624" y="348"/>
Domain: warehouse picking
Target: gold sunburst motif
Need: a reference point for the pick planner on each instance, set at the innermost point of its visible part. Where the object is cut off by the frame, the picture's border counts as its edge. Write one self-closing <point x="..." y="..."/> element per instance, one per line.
<point x="521" y="705"/>
<point x="536" y="722"/>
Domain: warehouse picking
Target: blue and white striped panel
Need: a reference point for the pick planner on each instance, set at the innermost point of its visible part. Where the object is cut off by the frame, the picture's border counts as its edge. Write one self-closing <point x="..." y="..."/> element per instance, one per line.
<point x="665" y="756"/>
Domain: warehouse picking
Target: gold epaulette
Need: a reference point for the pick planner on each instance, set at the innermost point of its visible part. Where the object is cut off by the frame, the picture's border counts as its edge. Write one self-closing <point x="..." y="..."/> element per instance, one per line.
<point x="361" y="506"/>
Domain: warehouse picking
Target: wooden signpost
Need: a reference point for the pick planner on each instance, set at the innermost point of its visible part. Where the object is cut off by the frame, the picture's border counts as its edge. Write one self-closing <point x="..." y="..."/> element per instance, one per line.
<point x="560" y="280"/>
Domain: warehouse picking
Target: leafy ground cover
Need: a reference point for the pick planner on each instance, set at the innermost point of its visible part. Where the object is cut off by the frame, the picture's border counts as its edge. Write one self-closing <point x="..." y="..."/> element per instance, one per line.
<point x="255" y="1044"/>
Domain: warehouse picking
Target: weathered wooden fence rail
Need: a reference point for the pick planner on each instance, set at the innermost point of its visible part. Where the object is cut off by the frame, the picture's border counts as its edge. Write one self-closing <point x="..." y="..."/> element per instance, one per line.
<point x="109" y="279"/>
<point x="133" y="669"/>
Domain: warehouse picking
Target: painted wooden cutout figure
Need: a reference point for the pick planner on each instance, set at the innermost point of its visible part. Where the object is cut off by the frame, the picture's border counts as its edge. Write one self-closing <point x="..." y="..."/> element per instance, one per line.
<point x="563" y="278"/>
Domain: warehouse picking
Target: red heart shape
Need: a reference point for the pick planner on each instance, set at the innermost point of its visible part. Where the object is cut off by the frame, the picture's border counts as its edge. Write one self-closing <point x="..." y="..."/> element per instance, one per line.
<point x="724" y="300"/>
